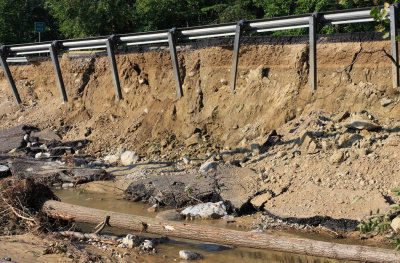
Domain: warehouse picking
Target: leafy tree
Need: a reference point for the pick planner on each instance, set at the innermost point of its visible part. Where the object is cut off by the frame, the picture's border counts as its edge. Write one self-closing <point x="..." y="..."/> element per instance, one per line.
<point x="76" y="18"/>
<point x="17" y="20"/>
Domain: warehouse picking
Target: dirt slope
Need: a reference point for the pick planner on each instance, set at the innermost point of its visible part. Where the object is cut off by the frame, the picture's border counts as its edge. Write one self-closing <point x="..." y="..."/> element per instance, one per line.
<point x="272" y="93"/>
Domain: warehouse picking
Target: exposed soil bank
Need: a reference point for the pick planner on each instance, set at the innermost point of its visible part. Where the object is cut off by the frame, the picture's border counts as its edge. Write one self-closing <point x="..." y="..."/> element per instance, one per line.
<point x="317" y="165"/>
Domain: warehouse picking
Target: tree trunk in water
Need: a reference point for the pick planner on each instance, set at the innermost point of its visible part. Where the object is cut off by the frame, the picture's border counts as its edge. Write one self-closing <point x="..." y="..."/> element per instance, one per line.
<point x="221" y="236"/>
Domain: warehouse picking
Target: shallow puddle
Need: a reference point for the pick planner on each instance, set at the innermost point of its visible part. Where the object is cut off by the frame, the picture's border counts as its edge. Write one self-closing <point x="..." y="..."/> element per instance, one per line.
<point x="168" y="252"/>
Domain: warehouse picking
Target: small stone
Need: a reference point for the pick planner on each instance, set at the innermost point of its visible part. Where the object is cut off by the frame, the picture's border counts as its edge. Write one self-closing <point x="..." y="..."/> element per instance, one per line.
<point x="386" y="101"/>
<point x="146" y="111"/>
<point x="42" y="155"/>
<point x="111" y="159"/>
<point x="280" y="154"/>
<point x="147" y="245"/>
<point x="208" y="165"/>
<point x="224" y="82"/>
<point x="129" y="158"/>
<point x="341" y="116"/>
<point x="337" y="157"/>
<point x="308" y="143"/>
<point x="186" y="160"/>
<point x="188" y="255"/>
<point x="153" y="209"/>
<point x="131" y="241"/>
<point x="396" y="224"/>
<point x="193" y="140"/>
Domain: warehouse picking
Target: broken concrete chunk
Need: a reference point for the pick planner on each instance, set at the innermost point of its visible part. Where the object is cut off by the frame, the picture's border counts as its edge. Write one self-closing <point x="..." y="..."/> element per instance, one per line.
<point x="14" y="138"/>
<point x="360" y="123"/>
<point x="206" y="211"/>
<point x="129" y="158"/>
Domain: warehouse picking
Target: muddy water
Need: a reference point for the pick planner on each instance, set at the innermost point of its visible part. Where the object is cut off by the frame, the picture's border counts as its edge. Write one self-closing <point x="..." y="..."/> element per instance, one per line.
<point x="168" y="252"/>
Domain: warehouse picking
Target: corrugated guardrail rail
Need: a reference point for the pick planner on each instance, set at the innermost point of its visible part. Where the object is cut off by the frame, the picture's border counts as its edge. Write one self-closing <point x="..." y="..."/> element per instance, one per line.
<point x="10" y="53"/>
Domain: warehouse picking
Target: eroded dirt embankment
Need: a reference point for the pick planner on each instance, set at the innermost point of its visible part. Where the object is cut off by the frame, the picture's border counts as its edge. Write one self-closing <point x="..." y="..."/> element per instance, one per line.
<point x="317" y="162"/>
<point x="272" y="89"/>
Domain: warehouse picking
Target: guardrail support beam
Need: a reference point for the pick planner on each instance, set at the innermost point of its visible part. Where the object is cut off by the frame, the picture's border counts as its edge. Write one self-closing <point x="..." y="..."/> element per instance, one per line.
<point x="235" y="58"/>
<point x="313" y="22"/>
<point x="113" y="64"/>
<point x="54" y="48"/>
<point x="7" y="73"/>
<point x="172" y="37"/>
<point x="394" y="9"/>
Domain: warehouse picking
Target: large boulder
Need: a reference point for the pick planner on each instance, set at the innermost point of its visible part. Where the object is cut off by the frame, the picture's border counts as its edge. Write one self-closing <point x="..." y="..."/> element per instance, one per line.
<point x="205" y="211"/>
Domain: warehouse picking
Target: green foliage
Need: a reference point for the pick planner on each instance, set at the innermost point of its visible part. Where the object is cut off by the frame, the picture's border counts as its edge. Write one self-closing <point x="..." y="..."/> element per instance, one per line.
<point x="381" y="223"/>
<point x="188" y="189"/>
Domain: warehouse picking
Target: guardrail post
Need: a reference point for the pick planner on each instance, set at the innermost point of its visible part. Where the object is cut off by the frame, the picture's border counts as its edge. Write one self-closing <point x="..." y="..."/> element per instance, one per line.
<point x="235" y="58"/>
<point x="54" y="49"/>
<point x="111" y="44"/>
<point x="7" y="73"/>
<point x="395" y="50"/>
<point x="172" y="38"/>
<point x="313" y="51"/>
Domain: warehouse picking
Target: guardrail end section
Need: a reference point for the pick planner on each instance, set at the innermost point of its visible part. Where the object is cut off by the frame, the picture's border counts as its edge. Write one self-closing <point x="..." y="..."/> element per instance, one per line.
<point x="7" y="73"/>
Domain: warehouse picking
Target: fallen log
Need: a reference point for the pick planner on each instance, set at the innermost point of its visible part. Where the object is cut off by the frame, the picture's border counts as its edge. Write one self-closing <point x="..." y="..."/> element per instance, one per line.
<point x="60" y="210"/>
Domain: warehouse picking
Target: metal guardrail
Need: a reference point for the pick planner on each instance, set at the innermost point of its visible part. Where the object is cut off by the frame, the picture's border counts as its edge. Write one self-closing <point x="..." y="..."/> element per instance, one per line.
<point x="10" y="53"/>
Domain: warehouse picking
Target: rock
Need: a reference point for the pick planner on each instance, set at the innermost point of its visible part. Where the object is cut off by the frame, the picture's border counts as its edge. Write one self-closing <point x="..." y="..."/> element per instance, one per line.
<point x="308" y="143"/>
<point x="186" y="160"/>
<point x="386" y="101"/>
<point x="4" y="171"/>
<point x="171" y="215"/>
<point x="147" y="245"/>
<point x="153" y="209"/>
<point x="341" y="116"/>
<point x="111" y="159"/>
<point x="348" y="140"/>
<point x="206" y="211"/>
<point x="337" y="157"/>
<point x="259" y="201"/>
<point x="188" y="255"/>
<point x="193" y="140"/>
<point x="42" y="155"/>
<point x="360" y="123"/>
<point x="208" y="165"/>
<point x="224" y="82"/>
<point x="271" y="139"/>
<point x="131" y="241"/>
<point x="129" y="158"/>
<point x="255" y="148"/>
<point x="67" y="185"/>
<point x="281" y="154"/>
<point x="45" y="136"/>
<point x="396" y="224"/>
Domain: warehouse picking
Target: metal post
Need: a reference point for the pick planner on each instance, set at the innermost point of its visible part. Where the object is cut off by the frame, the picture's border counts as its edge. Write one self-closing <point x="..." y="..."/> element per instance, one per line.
<point x="235" y="58"/>
<point x="172" y="38"/>
<point x="395" y="50"/>
<point x="54" y="48"/>
<point x="313" y="51"/>
<point x="114" y="70"/>
<point x="7" y="73"/>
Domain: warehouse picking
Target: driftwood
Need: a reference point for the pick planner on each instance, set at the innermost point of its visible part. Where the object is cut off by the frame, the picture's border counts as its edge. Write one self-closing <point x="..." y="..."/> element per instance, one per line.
<point x="222" y="236"/>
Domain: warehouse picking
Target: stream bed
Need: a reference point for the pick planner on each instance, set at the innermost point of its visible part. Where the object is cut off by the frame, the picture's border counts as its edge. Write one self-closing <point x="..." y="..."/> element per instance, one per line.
<point x="168" y="252"/>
